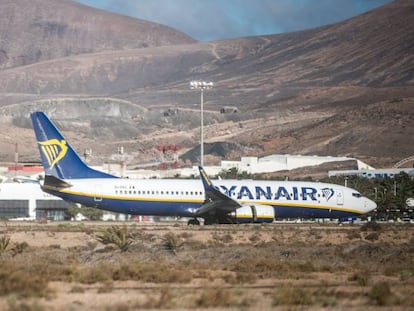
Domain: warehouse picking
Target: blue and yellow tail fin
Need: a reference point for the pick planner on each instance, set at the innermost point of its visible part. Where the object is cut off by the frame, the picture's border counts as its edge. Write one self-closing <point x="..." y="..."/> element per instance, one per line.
<point x="58" y="157"/>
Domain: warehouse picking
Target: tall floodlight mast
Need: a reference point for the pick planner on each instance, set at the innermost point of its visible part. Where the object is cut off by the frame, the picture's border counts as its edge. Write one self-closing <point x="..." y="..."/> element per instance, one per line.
<point x="201" y="85"/>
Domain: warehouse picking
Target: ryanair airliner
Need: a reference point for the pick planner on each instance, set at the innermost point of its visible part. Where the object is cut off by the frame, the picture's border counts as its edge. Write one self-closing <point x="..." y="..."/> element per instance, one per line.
<point x="218" y="201"/>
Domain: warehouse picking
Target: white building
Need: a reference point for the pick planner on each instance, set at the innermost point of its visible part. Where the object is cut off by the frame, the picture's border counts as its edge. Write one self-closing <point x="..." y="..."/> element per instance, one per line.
<point x="373" y="173"/>
<point x="282" y="162"/>
<point x="27" y="201"/>
<point x="250" y="165"/>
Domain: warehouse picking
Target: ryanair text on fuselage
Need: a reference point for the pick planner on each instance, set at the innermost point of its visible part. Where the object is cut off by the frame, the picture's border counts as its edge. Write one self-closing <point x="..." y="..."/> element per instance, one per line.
<point x="276" y="193"/>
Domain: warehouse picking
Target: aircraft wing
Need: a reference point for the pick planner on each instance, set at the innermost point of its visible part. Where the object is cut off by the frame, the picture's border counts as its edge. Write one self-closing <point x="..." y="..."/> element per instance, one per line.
<point x="216" y="201"/>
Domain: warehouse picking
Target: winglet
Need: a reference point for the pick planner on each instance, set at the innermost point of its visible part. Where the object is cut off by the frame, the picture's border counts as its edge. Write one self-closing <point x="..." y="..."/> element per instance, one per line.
<point x="215" y="200"/>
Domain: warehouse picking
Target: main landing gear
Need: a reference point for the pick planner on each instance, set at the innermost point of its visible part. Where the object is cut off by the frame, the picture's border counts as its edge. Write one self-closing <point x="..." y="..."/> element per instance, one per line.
<point x="193" y="222"/>
<point x="212" y="220"/>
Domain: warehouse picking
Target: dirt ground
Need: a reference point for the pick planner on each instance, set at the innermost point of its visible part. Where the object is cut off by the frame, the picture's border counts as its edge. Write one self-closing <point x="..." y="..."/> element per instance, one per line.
<point x="280" y="266"/>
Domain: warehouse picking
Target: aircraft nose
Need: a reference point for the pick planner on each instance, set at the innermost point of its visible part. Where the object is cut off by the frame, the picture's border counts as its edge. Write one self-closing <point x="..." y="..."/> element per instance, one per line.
<point x="369" y="205"/>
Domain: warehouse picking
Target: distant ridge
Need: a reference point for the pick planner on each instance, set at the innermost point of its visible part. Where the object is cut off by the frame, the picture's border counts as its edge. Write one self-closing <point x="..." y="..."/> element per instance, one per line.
<point x="345" y="89"/>
<point x="39" y="30"/>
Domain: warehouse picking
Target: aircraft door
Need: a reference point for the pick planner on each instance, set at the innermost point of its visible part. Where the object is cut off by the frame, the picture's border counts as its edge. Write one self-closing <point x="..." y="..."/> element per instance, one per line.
<point x="340" y="198"/>
<point x="98" y="193"/>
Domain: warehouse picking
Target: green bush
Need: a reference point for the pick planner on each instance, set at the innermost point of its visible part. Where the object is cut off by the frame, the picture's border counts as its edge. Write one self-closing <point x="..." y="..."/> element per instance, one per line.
<point x="171" y="243"/>
<point x="118" y="236"/>
<point x="4" y="243"/>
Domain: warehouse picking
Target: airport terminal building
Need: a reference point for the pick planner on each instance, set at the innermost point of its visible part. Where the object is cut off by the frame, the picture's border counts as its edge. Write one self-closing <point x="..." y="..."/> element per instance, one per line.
<point x="27" y="201"/>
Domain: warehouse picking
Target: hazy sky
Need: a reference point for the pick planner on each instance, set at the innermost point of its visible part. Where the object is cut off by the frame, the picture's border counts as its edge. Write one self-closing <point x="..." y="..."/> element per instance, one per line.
<point x="206" y="20"/>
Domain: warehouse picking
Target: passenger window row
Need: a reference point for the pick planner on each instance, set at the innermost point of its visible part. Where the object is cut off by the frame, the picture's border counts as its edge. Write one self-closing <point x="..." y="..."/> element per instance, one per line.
<point x="158" y="192"/>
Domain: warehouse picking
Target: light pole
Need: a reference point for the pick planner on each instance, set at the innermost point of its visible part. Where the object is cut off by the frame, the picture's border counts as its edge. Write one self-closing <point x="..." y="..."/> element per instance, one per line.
<point x="201" y="85"/>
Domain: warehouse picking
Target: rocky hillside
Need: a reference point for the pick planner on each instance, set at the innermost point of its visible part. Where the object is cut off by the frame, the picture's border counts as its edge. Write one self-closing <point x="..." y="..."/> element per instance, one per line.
<point x="38" y="30"/>
<point x="343" y="89"/>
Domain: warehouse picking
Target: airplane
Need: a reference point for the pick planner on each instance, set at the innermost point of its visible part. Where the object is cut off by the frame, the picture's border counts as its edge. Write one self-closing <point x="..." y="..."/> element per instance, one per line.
<point x="217" y="201"/>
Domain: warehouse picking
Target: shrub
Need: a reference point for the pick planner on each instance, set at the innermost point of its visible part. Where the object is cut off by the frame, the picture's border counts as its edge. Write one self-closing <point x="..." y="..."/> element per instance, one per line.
<point x="4" y="243"/>
<point x="107" y="287"/>
<point x="166" y="275"/>
<point x="254" y="238"/>
<point x="116" y="235"/>
<point x="151" y="272"/>
<point x="371" y="226"/>
<point x="163" y="301"/>
<point x="240" y="278"/>
<point x="171" y="243"/>
<point x="258" y="265"/>
<point x="14" y="280"/>
<point x="361" y="278"/>
<point x="293" y="296"/>
<point x="97" y="274"/>
<point x="16" y="305"/>
<point x="18" y="248"/>
<point x="225" y="238"/>
<point x="405" y="275"/>
<point x="373" y="236"/>
<point x="77" y="289"/>
<point x="353" y="234"/>
<point x="380" y="294"/>
<point x="214" y="297"/>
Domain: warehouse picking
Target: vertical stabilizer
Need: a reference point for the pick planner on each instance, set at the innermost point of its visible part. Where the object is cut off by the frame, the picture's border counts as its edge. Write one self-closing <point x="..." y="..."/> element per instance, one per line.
<point x="58" y="157"/>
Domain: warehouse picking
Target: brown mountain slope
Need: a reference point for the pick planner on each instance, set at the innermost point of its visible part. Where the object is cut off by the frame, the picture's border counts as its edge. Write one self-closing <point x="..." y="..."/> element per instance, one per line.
<point x="38" y="30"/>
<point x="379" y="133"/>
<point x="375" y="49"/>
<point x="300" y="92"/>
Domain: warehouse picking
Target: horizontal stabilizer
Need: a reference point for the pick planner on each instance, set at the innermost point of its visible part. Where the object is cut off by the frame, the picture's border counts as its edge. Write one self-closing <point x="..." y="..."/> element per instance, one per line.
<point x="53" y="183"/>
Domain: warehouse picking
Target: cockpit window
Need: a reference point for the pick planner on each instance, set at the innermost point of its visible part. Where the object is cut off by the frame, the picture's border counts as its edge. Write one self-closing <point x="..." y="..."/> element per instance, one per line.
<point x="356" y="194"/>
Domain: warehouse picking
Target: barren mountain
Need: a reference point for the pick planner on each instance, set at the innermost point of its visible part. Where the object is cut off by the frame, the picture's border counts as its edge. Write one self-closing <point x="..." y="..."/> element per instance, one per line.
<point x="343" y="89"/>
<point x="37" y="30"/>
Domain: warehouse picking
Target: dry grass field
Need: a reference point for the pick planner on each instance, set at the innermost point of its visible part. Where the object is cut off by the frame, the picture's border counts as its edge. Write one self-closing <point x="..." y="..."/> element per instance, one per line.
<point x="116" y="266"/>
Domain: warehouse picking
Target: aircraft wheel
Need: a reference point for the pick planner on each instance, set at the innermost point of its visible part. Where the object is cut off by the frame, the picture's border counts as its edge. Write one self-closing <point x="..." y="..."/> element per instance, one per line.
<point x="193" y="222"/>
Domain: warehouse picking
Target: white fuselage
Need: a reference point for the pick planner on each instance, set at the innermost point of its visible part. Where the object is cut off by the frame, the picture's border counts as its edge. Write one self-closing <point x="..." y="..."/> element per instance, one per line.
<point x="180" y="197"/>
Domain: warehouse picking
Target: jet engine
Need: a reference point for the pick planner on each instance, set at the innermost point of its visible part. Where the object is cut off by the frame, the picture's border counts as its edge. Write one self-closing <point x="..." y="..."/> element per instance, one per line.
<point x="254" y="213"/>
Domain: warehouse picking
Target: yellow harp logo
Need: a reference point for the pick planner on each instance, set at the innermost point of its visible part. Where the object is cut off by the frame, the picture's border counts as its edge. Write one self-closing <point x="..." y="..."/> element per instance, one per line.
<point x="53" y="150"/>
